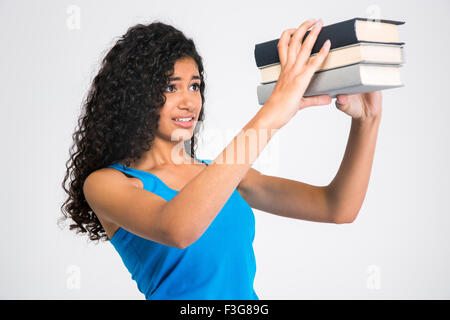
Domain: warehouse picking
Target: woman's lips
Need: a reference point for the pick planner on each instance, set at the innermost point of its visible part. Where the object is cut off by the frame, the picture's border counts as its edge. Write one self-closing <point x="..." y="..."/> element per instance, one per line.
<point x="184" y="124"/>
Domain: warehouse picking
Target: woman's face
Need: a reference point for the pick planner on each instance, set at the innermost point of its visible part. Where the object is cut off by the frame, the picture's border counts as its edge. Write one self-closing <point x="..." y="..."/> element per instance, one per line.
<point x="183" y="100"/>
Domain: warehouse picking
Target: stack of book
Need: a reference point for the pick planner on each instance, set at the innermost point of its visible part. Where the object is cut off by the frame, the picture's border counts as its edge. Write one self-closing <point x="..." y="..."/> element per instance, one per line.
<point x="365" y="56"/>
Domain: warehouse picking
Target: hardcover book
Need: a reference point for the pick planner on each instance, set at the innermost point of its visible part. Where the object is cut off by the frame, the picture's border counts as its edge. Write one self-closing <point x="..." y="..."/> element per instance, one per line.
<point x="352" y="79"/>
<point x="377" y="53"/>
<point x="340" y="34"/>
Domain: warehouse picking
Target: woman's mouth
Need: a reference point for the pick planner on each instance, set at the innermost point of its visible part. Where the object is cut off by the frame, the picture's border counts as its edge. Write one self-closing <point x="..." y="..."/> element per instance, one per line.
<point x="184" y="122"/>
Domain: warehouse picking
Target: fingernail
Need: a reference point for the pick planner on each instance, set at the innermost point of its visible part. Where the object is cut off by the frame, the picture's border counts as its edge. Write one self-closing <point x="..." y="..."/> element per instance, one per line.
<point x="318" y="23"/>
<point x="327" y="43"/>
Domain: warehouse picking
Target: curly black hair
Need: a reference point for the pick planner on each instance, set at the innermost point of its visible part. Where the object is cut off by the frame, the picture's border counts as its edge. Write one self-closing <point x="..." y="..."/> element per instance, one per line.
<point x="121" y="111"/>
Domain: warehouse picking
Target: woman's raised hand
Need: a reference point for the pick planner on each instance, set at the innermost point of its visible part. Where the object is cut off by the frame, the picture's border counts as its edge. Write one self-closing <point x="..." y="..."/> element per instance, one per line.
<point x="297" y="69"/>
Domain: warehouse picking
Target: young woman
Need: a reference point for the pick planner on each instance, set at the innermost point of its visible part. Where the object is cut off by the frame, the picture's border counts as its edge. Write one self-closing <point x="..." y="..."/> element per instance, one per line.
<point x="184" y="227"/>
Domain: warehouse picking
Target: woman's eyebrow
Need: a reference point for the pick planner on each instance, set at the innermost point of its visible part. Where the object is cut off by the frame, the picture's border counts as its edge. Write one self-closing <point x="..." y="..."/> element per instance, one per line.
<point x="178" y="78"/>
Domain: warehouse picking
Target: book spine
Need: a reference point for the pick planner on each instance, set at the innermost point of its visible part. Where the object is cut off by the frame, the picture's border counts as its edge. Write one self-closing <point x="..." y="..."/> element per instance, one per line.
<point x="340" y="34"/>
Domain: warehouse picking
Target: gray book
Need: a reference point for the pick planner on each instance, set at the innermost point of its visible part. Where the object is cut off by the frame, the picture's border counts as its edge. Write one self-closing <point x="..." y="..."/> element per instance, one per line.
<point x="352" y="79"/>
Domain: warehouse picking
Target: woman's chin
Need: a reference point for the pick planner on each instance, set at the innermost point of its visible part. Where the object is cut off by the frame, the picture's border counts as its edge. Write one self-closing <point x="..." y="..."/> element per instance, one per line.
<point x="181" y="135"/>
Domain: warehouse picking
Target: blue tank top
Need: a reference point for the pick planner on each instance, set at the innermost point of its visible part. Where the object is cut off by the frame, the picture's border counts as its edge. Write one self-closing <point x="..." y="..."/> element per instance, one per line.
<point x="220" y="265"/>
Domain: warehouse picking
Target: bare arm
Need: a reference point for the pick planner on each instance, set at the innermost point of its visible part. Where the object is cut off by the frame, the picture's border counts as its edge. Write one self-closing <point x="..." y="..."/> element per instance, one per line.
<point x="285" y="197"/>
<point x="339" y="202"/>
<point x="347" y="190"/>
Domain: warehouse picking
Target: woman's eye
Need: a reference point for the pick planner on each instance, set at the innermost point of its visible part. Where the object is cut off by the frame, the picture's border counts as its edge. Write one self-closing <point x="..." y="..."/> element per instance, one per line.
<point x="171" y="87"/>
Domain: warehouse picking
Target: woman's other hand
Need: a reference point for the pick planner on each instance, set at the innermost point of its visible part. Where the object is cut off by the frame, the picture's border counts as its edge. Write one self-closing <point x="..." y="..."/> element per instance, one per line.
<point x="362" y="106"/>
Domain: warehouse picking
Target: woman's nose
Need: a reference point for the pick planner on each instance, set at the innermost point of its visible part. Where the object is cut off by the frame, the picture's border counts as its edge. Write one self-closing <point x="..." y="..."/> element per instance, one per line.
<point x="187" y="101"/>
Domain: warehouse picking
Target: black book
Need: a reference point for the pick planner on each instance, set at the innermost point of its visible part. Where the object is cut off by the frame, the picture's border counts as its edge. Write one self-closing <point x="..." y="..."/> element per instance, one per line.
<point x="340" y="34"/>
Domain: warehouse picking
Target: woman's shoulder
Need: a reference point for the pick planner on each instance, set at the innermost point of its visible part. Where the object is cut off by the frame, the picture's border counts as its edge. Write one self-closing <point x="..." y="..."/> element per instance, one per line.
<point x="111" y="175"/>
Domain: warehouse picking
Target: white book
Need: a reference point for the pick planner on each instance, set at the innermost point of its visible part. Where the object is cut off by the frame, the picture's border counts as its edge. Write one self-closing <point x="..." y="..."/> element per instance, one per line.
<point x="352" y="79"/>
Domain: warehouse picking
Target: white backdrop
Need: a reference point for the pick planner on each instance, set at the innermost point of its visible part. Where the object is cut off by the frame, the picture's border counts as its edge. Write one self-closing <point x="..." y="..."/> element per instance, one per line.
<point x="398" y="247"/>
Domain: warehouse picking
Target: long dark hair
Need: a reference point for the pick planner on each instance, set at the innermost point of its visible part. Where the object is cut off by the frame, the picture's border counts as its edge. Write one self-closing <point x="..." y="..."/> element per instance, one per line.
<point x="121" y="112"/>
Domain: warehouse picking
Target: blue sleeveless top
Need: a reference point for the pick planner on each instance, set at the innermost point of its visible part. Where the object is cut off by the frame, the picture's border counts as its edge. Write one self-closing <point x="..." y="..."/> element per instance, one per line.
<point x="220" y="265"/>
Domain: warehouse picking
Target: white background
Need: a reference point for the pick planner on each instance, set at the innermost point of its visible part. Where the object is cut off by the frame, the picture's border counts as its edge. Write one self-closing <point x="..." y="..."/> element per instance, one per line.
<point x="398" y="247"/>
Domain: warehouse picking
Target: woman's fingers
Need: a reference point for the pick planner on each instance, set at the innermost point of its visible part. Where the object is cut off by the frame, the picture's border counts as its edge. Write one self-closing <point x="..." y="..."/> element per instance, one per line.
<point x="316" y="100"/>
<point x="342" y="99"/>
<point x="283" y="45"/>
<point x="296" y="71"/>
<point x="295" y="42"/>
<point x="308" y="44"/>
<point x="314" y="63"/>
